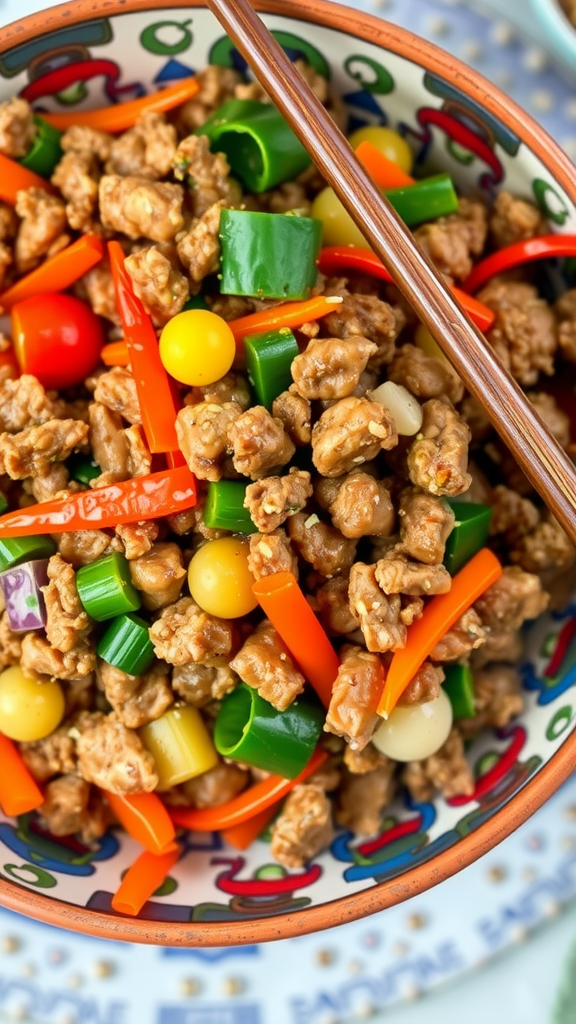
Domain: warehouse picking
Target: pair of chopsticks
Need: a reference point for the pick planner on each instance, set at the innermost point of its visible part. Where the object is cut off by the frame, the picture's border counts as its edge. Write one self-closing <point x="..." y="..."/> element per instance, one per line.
<point x="540" y="456"/>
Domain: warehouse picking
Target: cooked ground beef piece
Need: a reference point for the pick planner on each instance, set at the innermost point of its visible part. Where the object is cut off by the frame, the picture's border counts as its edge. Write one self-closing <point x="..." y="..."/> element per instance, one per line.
<point x="272" y="500"/>
<point x="265" y="663"/>
<point x="452" y="241"/>
<point x="203" y="435"/>
<point x="367" y="316"/>
<point x="362" y="506"/>
<point x="270" y="553"/>
<point x="137" y="700"/>
<point x="424" y="686"/>
<point x="186" y="633"/>
<point x="321" y="544"/>
<point x="447" y="771"/>
<point x="355" y="695"/>
<point x="524" y="334"/>
<point x="303" y="827"/>
<point x="425" y="376"/>
<point x="259" y="442"/>
<point x="362" y="799"/>
<point x="438" y="458"/>
<point x="426" y="522"/>
<point x="199" y="683"/>
<point x="497" y="698"/>
<point x="351" y="432"/>
<point x="113" y="758"/>
<point x="514" y="220"/>
<point x="329" y="368"/>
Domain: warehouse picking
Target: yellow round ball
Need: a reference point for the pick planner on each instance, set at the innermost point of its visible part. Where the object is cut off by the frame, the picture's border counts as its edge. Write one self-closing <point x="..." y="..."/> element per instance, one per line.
<point x="30" y="709"/>
<point x="197" y="347"/>
<point x="220" y="580"/>
<point x="388" y="142"/>
<point x="338" y="226"/>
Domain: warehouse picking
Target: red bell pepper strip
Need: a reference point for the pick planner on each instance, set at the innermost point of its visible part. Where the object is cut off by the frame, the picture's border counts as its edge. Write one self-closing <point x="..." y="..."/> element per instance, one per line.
<point x="383" y="171"/>
<point x="15" y="178"/>
<point x="247" y="804"/>
<point x="143" y="877"/>
<point x="336" y="258"/>
<point x="131" y="501"/>
<point x="120" y="116"/>
<point x="540" y="248"/>
<point x="57" y="273"/>
<point x="19" y="792"/>
<point x="155" y="396"/>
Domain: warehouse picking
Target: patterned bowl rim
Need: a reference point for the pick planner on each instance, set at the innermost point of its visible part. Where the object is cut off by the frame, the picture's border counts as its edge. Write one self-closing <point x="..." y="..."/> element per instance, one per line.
<point x="548" y="779"/>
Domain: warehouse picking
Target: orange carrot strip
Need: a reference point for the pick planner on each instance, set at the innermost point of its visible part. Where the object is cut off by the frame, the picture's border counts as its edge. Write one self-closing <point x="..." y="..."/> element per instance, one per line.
<point x="155" y="395"/>
<point x="119" y="117"/>
<point x="384" y="172"/>
<point x="140" y="882"/>
<point x="14" y="178"/>
<point x="243" y="835"/>
<point x="437" y="618"/>
<point x="145" y="818"/>
<point x="247" y="804"/>
<point x="289" y="314"/>
<point x="283" y="602"/>
<point x="58" y="272"/>
<point x="19" y="792"/>
<point x="115" y="354"/>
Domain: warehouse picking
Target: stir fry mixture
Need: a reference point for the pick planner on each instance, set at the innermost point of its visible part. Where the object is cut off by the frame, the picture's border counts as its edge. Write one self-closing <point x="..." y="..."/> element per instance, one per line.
<point x="263" y="560"/>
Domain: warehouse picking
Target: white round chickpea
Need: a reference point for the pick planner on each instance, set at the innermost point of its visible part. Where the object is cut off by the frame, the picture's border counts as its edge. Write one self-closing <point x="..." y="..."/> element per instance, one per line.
<point x="416" y="732"/>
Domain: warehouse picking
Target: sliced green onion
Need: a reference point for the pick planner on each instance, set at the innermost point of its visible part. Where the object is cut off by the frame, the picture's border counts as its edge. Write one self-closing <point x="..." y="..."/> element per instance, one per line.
<point x="260" y="147"/>
<point x="459" y="687"/>
<point x="224" y="508"/>
<point x="45" y="151"/>
<point x="195" y="302"/>
<point x="24" y="549"/>
<point x="425" y="200"/>
<point x="269" y="359"/>
<point x="469" y="535"/>
<point x="126" y="644"/>
<point x="268" y="255"/>
<point x="83" y="469"/>
<point x="105" y="588"/>
<point x="251" y="730"/>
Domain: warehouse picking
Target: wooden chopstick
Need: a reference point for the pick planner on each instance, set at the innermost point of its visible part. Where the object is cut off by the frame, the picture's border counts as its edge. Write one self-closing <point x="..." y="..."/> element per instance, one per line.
<point x="540" y="456"/>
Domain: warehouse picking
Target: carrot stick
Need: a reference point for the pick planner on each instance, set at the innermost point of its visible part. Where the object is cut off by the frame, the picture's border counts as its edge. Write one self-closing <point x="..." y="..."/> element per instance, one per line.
<point x="145" y="818"/>
<point x="243" y="835"/>
<point x="289" y="314"/>
<point x="336" y="258"/>
<point x="140" y="882"/>
<point x="14" y="178"/>
<point x="19" y="792"/>
<point x="155" y="395"/>
<point x="57" y="273"/>
<point x="123" y="115"/>
<point x="384" y="172"/>
<point x="252" y="801"/>
<point x="437" y="618"/>
<point x="283" y="602"/>
<point x="115" y="354"/>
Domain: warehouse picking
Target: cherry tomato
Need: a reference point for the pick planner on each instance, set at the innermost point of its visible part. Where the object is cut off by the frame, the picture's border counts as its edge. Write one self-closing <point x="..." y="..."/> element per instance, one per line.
<point x="57" y="338"/>
<point x="197" y="347"/>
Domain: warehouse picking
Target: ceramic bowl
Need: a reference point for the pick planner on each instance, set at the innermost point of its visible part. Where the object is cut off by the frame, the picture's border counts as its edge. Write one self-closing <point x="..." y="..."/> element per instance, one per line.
<point x="94" y="52"/>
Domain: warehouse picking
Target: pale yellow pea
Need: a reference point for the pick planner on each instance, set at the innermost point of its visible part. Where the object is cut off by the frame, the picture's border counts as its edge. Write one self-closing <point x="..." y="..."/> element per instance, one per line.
<point x="31" y="708"/>
<point x="339" y="228"/>
<point x="416" y="732"/>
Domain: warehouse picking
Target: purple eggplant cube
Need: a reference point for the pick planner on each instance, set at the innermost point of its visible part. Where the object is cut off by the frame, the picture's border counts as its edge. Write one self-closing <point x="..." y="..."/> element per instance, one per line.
<point x="23" y="596"/>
